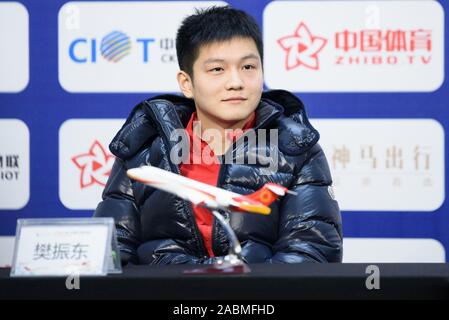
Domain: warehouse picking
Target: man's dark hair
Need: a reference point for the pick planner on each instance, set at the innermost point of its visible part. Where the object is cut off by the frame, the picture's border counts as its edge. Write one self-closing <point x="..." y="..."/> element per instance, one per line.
<point x="214" y="24"/>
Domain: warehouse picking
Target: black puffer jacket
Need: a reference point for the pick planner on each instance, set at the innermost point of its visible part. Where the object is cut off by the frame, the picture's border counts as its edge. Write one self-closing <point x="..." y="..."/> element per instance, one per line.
<point x="155" y="227"/>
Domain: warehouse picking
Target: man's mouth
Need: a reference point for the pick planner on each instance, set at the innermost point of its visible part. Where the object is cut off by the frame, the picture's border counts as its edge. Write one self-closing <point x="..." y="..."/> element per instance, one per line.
<point x="234" y="99"/>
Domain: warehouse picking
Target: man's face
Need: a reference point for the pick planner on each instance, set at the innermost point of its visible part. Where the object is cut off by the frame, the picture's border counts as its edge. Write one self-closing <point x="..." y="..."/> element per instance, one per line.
<point x="227" y="80"/>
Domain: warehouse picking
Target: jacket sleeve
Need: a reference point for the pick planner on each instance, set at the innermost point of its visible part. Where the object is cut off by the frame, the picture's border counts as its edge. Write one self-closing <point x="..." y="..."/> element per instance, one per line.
<point x="168" y="251"/>
<point x="310" y="221"/>
<point x="118" y="203"/>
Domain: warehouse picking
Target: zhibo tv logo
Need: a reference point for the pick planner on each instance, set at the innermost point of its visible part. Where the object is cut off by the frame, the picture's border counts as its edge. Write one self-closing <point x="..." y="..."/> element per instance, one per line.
<point x="116" y="45"/>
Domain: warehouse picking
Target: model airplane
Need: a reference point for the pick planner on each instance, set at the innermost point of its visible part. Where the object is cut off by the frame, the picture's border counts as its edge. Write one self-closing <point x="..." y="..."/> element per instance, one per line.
<point x="201" y="194"/>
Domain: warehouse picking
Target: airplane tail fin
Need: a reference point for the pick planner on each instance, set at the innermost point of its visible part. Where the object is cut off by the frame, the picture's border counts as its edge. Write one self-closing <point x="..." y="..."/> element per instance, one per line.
<point x="268" y="193"/>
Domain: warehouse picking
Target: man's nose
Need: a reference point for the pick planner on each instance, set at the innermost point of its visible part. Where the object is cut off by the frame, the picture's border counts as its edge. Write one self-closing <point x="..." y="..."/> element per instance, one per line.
<point x="235" y="81"/>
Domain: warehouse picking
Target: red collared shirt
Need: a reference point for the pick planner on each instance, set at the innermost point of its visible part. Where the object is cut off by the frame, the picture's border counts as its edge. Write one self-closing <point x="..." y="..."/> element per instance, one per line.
<point x="206" y="173"/>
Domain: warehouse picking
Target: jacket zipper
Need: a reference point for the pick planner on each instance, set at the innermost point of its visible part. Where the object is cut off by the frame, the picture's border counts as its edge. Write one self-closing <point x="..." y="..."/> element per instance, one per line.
<point x="221" y="171"/>
<point x="214" y="221"/>
<point x="197" y="234"/>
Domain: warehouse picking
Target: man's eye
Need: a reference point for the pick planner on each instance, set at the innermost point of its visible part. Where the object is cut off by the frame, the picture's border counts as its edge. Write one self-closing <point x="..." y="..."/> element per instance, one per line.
<point x="249" y="67"/>
<point x="217" y="69"/>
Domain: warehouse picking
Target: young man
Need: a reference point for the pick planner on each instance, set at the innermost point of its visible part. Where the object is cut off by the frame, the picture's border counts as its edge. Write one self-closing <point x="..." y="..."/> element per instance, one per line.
<point x="220" y="55"/>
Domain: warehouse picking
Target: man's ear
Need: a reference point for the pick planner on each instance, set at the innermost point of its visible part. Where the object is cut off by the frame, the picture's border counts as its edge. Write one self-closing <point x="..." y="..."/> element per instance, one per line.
<point x="185" y="84"/>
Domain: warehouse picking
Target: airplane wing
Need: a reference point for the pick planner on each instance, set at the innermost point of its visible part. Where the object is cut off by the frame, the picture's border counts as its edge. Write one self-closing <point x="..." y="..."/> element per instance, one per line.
<point x="198" y="198"/>
<point x="210" y="196"/>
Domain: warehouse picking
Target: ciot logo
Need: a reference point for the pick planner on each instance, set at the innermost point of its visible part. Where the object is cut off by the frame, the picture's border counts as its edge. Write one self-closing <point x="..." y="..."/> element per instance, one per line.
<point x="114" y="46"/>
<point x="95" y="165"/>
<point x="302" y="48"/>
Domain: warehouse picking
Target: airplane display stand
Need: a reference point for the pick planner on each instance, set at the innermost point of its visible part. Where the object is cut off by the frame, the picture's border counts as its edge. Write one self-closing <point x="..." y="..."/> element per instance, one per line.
<point x="232" y="263"/>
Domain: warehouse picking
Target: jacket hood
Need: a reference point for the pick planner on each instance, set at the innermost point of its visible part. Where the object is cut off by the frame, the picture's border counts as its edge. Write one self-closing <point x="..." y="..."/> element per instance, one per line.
<point x="161" y="114"/>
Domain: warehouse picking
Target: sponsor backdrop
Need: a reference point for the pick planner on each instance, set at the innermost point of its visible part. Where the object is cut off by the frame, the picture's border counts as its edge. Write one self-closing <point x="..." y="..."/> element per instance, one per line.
<point x="371" y="74"/>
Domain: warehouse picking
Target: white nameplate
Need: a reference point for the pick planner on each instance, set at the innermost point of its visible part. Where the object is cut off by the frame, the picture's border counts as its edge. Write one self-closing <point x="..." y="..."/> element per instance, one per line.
<point x="61" y="247"/>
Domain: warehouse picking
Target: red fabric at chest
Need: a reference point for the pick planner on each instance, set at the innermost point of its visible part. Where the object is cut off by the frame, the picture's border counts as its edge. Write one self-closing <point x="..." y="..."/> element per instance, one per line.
<point x="206" y="173"/>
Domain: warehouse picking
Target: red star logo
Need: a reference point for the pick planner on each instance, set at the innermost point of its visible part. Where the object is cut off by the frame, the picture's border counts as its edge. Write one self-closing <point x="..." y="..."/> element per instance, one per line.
<point x="302" y="48"/>
<point x="95" y="165"/>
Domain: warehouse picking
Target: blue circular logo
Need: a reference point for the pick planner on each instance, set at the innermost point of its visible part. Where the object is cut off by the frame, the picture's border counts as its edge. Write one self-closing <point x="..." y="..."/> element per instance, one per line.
<point x="115" y="46"/>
